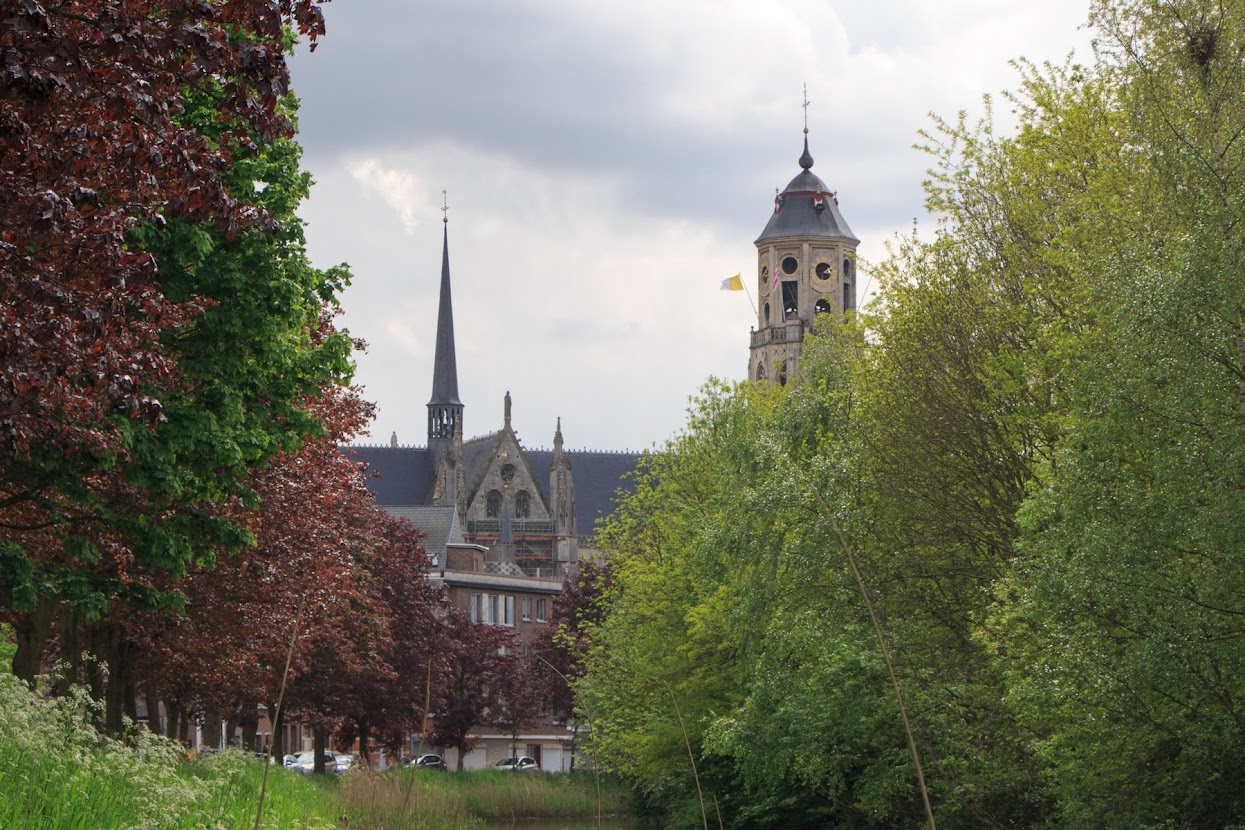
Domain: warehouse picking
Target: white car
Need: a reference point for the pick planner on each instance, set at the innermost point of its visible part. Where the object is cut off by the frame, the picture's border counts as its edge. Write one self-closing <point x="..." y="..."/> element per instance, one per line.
<point x="305" y="762"/>
<point x="521" y="764"/>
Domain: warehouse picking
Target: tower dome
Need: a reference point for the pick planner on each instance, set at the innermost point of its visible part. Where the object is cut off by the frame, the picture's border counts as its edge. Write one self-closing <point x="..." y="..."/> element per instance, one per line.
<point x="806" y="207"/>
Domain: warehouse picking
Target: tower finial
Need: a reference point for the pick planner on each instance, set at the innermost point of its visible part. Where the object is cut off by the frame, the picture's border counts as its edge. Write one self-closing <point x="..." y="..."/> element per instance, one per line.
<point x="445" y="205"/>
<point x="806" y="160"/>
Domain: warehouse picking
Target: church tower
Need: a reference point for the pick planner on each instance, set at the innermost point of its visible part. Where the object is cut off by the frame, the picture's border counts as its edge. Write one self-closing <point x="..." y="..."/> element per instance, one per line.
<point x="445" y="410"/>
<point x="806" y="265"/>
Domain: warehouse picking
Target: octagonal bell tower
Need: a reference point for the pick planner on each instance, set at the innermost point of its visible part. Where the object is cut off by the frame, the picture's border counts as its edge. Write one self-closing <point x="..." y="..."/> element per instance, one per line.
<point x="806" y="265"/>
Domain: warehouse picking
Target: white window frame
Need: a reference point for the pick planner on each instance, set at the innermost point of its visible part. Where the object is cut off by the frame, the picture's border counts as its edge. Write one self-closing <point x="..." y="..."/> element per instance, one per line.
<point x="493" y="608"/>
<point x="541" y="614"/>
<point x="508" y="611"/>
<point x="527" y="609"/>
<point x="475" y="608"/>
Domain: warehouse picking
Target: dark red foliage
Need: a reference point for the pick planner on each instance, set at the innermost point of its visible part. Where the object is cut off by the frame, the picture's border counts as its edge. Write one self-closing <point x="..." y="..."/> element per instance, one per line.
<point x="90" y="145"/>
<point x="466" y="689"/>
<point x="577" y="611"/>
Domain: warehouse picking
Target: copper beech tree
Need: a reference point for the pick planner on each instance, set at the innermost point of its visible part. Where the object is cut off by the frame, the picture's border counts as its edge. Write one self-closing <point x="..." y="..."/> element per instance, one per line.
<point x="97" y="140"/>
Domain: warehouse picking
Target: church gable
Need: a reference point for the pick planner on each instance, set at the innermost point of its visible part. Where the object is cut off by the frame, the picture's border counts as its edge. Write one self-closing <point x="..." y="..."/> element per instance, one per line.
<point x="506" y="484"/>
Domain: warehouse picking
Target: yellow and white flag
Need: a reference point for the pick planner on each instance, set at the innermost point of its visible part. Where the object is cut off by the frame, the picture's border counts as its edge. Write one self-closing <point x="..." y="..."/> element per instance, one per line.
<point x="734" y="283"/>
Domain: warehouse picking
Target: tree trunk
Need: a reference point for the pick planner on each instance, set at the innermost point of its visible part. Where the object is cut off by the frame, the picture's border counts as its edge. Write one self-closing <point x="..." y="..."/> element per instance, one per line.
<point x="231" y="729"/>
<point x="318" y="742"/>
<point x="250" y="726"/>
<point x="211" y="729"/>
<point x="32" y="629"/>
<point x="172" y="719"/>
<point x="95" y="667"/>
<point x="129" y="699"/>
<point x="115" y="657"/>
<point x="70" y="671"/>
<point x="364" y="754"/>
<point x="277" y="741"/>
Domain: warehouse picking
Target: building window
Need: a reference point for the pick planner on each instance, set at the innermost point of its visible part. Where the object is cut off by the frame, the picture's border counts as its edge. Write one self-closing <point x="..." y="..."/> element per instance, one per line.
<point x="767" y="314"/>
<point x="823" y="305"/>
<point x="789" y="264"/>
<point x="508" y="609"/>
<point x="540" y="610"/>
<point x="522" y="505"/>
<point x="493" y="615"/>
<point x="527" y="609"/>
<point x="764" y="281"/>
<point x="849" y="297"/>
<point x="492" y="504"/>
<point x="475" y="608"/>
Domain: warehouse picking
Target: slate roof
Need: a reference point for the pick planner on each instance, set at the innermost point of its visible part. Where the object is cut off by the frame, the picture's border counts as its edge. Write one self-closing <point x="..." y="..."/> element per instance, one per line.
<point x="798" y="215"/>
<point x="404" y="476"/>
<point x="439" y="524"/>
<point x="397" y="475"/>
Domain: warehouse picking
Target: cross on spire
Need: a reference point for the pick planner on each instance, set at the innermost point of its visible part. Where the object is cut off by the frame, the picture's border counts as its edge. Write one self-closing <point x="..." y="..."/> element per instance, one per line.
<point x="445" y="205"/>
<point x="805" y="105"/>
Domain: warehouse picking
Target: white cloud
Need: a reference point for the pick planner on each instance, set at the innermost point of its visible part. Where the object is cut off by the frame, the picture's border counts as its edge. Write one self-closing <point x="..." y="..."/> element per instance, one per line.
<point x="398" y="188"/>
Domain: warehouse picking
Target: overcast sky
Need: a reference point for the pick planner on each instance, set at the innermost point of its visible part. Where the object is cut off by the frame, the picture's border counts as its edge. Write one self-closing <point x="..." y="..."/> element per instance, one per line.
<point x="607" y="164"/>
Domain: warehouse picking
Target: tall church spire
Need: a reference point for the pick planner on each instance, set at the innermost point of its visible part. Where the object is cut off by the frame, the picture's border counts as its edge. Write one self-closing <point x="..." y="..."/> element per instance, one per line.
<point x="445" y="410"/>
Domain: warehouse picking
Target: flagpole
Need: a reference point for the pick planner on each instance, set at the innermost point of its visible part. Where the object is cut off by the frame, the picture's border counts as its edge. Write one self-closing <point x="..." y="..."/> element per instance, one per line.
<point x="748" y="294"/>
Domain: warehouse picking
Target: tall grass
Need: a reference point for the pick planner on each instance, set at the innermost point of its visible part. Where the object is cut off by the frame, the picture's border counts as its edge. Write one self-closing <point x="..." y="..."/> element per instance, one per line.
<point x="58" y="773"/>
<point x="519" y="795"/>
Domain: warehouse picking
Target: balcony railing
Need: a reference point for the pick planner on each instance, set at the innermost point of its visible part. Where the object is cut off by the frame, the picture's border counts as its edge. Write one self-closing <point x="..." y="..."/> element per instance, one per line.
<point x="785" y="333"/>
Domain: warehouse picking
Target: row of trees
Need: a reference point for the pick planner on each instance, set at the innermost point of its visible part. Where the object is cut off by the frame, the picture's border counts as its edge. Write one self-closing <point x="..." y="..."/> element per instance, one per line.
<point x="177" y="523"/>
<point x="1031" y="454"/>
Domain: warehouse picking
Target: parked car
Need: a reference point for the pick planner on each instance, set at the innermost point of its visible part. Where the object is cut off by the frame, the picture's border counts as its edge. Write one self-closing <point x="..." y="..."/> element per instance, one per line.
<point x="430" y="762"/>
<point x="345" y="762"/>
<point x="520" y="764"/>
<point x="305" y="762"/>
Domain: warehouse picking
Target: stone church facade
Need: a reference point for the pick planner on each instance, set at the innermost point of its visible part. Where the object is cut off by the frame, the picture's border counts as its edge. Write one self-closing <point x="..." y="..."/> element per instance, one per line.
<point x="534" y="510"/>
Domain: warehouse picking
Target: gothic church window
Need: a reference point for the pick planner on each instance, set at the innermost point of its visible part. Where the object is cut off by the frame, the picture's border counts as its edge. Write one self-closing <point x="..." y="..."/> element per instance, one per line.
<point x="492" y="504"/>
<point x="849" y="296"/>
<point x="522" y="505"/>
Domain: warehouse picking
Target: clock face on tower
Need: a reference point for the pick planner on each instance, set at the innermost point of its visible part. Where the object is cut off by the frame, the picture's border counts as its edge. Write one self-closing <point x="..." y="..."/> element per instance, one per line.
<point x="507" y="472"/>
<point x="823" y="272"/>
